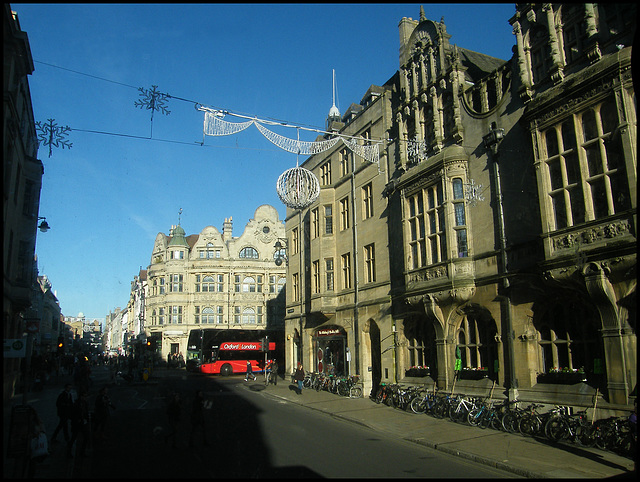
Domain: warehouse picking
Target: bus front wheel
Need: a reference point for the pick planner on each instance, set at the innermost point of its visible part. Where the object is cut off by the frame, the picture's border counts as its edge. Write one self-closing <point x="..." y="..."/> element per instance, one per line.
<point x="226" y="370"/>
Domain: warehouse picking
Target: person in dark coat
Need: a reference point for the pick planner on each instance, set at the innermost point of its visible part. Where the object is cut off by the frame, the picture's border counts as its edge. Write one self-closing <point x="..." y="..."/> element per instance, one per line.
<point x="103" y="407"/>
<point x="299" y="377"/>
<point x="64" y="406"/>
<point x="197" y="419"/>
<point x="80" y="427"/>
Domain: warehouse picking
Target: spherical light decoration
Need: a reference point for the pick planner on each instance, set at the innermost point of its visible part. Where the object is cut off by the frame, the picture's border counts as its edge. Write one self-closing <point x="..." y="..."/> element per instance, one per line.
<point x="298" y="187"/>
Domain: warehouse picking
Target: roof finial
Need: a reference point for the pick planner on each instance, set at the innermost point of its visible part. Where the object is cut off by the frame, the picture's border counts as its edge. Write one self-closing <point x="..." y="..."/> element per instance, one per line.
<point x="422" y="15"/>
<point x="179" y="214"/>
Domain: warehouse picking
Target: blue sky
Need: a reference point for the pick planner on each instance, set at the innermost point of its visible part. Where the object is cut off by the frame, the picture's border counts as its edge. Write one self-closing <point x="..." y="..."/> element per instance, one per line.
<point x="109" y="195"/>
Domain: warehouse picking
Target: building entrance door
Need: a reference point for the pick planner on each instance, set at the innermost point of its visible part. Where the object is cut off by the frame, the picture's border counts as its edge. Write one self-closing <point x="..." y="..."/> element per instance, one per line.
<point x="330" y="347"/>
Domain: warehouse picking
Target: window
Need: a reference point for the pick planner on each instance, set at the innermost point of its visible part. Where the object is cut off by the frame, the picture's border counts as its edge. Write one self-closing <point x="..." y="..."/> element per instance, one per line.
<point x="325" y="174"/>
<point x="249" y="285"/>
<point x="295" y="286"/>
<point x="567" y="336"/>
<point x="175" y="315"/>
<point x="460" y="218"/>
<point x="176" y="283"/>
<point x="328" y="262"/>
<point x="427" y="241"/>
<point x="315" y="276"/>
<point x="162" y="288"/>
<point x="249" y="316"/>
<point x="476" y="342"/>
<point x="346" y="271"/>
<point x="344" y="213"/>
<point x="161" y="313"/>
<point x="249" y="252"/>
<point x="585" y="173"/>
<point x="176" y="255"/>
<point x="328" y="219"/>
<point x="421" y="344"/>
<point x="344" y="162"/>
<point x="574" y="31"/>
<point x="237" y="314"/>
<point x="209" y="252"/>
<point x="276" y="283"/>
<point x="295" y="241"/>
<point x="208" y="315"/>
<point x="367" y="201"/>
<point x="315" y="223"/>
<point x="370" y="263"/>
<point x="237" y="283"/>
<point x="540" y="55"/>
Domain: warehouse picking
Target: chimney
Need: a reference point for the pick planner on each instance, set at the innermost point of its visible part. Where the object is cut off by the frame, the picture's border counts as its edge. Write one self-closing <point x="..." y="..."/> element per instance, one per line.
<point x="227" y="229"/>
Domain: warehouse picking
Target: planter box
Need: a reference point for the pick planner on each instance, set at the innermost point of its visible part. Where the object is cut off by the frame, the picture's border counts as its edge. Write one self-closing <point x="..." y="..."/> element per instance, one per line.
<point x="417" y="372"/>
<point x="472" y="374"/>
<point x="561" y="378"/>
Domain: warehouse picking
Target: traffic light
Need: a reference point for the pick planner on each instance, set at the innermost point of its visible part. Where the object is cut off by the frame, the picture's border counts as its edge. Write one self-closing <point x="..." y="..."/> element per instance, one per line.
<point x="60" y="344"/>
<point x="264" y="342"/>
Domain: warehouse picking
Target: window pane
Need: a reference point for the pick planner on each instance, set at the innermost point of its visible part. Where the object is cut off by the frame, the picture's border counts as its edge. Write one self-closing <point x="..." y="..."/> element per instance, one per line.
<point x="421" y="226"/>
<point x="462" y="242"/>
<point x="609" y="117"/>
<point x="457" y="189"/>
<point x="430" y="199"/>
<point x="559" y="212"/>
<point x="460" y="219"/>
<point x="433" y="242"/>
<point x="620" y="190"/>
<point x="589" y="128"/>
<point x="573" y="168"/>
<point x="414" y="230"/>
<point x="599" y="196"/>
<point x="577" y="205"/>
<point x="568" y="136"/>
<point x="555" y="174"/>
<point x="594" y="161"/>
<point x="432" y="223"/>
<point x="614" y="153"/>
<point x="552" y="143"/>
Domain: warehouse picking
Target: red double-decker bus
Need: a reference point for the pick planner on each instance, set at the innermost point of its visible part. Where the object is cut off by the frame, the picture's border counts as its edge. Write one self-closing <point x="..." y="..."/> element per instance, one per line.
<point x="224" y="352"/>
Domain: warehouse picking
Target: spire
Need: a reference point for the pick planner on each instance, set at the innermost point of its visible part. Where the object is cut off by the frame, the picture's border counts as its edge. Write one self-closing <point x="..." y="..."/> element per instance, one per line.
<point x="423" y="17"/>
<point x="334" y="113"/>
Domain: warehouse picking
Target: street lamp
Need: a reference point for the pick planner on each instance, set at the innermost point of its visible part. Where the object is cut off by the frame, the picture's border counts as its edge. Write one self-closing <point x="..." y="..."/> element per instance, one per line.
<point x="281" y="252"/>
<point x="44" y="225"/>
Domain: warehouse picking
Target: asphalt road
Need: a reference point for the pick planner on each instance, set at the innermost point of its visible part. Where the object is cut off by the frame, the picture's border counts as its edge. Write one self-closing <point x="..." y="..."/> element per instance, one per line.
<point x="251" y="433"/>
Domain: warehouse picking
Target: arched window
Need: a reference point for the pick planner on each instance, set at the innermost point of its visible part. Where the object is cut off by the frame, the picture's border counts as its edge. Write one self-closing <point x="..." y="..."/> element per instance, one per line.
<point x="249" y="252"/>
<point x="249" y="285"/>
<point x="208" y="315"/>
<point x="421" y="344"/>
<point x="477" y="343"/>
<point x="249" y="316"/>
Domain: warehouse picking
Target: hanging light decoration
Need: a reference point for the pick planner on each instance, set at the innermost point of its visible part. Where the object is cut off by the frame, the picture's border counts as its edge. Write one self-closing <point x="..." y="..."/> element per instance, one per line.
<point x="298" y="187"/>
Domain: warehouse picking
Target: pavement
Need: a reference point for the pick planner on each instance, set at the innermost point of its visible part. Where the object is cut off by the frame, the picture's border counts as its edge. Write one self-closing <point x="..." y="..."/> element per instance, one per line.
<point x="522" y="456"/>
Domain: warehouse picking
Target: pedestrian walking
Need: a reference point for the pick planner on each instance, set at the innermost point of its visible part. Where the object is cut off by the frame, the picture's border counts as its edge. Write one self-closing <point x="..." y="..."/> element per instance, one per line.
<point x="249" y="372"/>
<point x="273" y="374"/>
<point x="299" y="377"/>
<point x="197" y="419"/>
<point x="64" y="406"/>
<point x="80" y="426"/>
<point x="102" y="413"/>
<point x="173" y="415"/>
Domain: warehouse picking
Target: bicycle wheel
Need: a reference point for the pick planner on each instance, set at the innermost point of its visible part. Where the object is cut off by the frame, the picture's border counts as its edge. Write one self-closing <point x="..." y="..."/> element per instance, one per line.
<point x="494" y="420"/>
<point x="529" y="425"/>
<point x="418" y="405"/>
<point x="556" y="429"/>
<point x="355" y="392"/>
<point x="586" y="434"/>
<point x="510" y="422"/>
<point x="475" y="416"/>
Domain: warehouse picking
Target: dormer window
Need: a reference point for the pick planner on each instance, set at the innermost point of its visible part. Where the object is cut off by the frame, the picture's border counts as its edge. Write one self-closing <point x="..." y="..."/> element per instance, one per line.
<point x="177" y="254"/>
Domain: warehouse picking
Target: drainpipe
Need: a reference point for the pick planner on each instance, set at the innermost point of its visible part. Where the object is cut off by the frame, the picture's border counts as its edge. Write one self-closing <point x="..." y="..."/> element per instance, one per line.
<point x="356" y="328"/>
<point x="492" y="142"/>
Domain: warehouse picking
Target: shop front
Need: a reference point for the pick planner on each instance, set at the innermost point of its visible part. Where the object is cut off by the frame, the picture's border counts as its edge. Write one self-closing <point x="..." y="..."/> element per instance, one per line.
<point x="331" y="352"/>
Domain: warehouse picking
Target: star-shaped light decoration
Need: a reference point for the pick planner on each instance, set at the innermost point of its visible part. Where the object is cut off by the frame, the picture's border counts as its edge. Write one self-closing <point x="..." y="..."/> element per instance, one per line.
<point x="52" y="135"/>
<point x="152" y="100"/>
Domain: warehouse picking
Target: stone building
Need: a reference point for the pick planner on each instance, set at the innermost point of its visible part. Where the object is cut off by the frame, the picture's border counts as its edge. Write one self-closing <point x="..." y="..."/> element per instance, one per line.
<point x="215" y="280"/>
<point x="504" y="214"/>
<point x="22" y="180"/>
